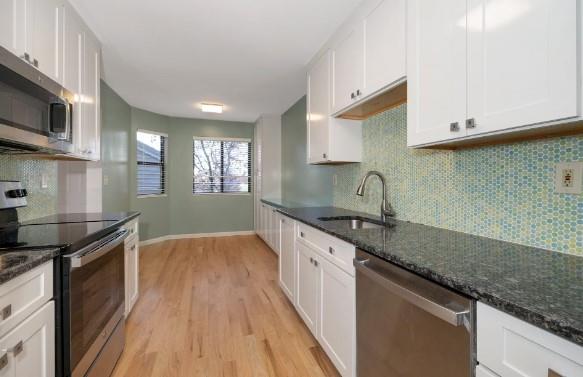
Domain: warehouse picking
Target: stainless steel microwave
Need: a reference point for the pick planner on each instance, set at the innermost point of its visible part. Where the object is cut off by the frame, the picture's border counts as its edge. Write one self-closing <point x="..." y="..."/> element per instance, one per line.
<point x="35" y="112"/>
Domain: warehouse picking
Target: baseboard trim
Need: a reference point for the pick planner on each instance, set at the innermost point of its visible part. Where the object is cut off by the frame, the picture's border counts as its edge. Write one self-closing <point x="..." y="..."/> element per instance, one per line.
<point x="195" y="235"/>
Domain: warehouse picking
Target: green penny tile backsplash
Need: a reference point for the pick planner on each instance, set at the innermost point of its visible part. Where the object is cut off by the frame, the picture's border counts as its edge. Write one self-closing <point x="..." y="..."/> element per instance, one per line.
<point x="41" y="201"/>
<point x="504" y="192"/>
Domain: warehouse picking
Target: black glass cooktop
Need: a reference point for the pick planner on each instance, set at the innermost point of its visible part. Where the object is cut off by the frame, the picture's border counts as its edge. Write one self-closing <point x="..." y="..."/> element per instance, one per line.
<point x="68" y="236"/>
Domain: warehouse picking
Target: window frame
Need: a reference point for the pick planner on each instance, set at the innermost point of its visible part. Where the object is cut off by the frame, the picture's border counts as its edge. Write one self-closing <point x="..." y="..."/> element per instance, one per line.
<point x="162" y="164"/>
<point x="250" y="182"/>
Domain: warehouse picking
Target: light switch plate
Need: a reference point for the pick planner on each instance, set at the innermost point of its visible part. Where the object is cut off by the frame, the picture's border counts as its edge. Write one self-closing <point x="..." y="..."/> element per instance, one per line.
<point x="569" y="178"/>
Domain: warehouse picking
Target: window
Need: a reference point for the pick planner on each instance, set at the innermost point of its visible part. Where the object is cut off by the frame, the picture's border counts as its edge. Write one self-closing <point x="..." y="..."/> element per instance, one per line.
<point x="221" y="166"/>
<point x="151" y="157"/>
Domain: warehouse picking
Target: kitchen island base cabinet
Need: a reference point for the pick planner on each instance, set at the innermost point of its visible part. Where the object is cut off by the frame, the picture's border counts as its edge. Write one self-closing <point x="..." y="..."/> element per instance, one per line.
<point x="29" y="349"/>
<point x="510" y="347"/>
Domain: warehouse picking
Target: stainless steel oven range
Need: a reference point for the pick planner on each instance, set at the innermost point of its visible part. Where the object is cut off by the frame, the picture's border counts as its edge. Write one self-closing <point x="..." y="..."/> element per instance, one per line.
<point x="93" y="307"/>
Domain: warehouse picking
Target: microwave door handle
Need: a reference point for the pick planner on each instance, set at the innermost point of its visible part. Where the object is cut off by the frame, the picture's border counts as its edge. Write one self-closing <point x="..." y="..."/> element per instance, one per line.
<point x="96" y="250"/>
<point x="416" y="298"/>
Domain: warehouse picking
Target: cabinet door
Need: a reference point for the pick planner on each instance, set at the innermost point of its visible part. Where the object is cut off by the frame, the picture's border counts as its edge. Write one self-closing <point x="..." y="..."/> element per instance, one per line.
<point x="30" y="347"/>
<point x="384" y="46"/>
<point x="45" y="36"/>
<point x="436" y="70"/>
<point x="319" y="109"/>
<point x="337" y="317"/>
<point x="131" y="274"/>
<point x="286" y="257"/>
<point x="12" y="25"/>
<point x="347" y="69"/>
<point x="91" y="123"/>
<point x="275" y="230"/>
<point x="522" y="62"/>
<point x="308" y="289"/>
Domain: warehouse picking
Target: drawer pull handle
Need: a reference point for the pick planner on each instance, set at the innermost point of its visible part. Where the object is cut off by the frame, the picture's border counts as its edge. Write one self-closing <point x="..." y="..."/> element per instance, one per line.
<point x="3" y="361"/>
<point x="17" y="349"/>
<point x="331" y="250"/>
<point x="7" y="311"/>
<point x="552" y="373"/>
<point x="316" y="263"/>
<point x="133" y="247"/>
<point x="302" y="234"/>
<point x="311" y="260"/>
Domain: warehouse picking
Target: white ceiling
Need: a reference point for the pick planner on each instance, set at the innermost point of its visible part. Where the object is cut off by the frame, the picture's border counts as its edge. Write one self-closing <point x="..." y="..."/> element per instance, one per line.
<point x="168" y="56"/>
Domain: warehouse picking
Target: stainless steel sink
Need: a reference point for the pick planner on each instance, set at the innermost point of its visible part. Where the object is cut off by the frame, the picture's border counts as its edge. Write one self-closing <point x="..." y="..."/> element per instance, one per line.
<point x="354" y="223"/>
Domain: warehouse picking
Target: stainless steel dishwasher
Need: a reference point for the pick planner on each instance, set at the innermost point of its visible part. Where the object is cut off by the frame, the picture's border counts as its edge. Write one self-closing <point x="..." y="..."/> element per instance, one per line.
<point x="407" y="326"/>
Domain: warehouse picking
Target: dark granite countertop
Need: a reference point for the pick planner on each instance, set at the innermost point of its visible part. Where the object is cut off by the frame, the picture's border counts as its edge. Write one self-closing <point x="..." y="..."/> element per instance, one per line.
<point x="15" y="263"/>
<point x="542" y="287"/>
<point x="64" y="218"/>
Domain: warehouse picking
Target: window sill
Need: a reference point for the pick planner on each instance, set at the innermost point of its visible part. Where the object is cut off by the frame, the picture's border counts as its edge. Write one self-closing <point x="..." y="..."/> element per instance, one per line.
<point x="152" y="196"/>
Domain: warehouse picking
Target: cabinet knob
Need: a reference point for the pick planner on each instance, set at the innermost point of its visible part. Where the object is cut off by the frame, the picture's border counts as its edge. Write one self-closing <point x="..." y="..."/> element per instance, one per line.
<point x="25" y="56"/>
<point x="302" y="234"/>
<point x="471" y="123"/>
<point x="324" y="155"/>
<point x="352" y="95"/>
<point x="35" y="63"/>
<point x="311" y="260"/>
<point x="454" y="127"/>
<point x="331" y="250"/>
<point x="358" y="93"/>
<point x="6" y="311"/>
<point x="18" y="348"/>
<point x="316" y="263"/>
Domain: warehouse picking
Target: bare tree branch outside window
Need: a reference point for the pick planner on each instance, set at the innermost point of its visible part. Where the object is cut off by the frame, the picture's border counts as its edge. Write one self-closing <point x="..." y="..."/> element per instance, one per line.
<point x="221" y="166"/>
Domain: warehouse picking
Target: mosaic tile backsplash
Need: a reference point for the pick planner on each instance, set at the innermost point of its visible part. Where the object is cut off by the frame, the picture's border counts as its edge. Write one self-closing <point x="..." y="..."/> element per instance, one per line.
<point x="41" y="201"/>
<point x="504" y="192"/>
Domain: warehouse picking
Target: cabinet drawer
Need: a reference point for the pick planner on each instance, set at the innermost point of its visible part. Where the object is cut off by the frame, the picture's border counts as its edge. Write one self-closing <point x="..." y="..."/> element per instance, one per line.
<point x="21" y="296"/>
<point x="132" y="227"/>
<point x="336" y="251"/>
<point x="511" y="347"/>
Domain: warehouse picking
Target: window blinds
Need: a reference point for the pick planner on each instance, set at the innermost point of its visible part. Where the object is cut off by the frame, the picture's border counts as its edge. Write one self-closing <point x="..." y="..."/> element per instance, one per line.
<point x="151" y="159"/>
<point x="221" y="165"/>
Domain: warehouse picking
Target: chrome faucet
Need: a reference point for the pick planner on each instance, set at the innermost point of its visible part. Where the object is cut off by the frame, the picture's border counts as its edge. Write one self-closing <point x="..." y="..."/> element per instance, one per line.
<point x="386" y="209"/>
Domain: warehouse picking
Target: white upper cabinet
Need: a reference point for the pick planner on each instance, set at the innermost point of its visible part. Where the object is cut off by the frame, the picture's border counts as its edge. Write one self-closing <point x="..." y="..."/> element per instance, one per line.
<point x="318" y="109"/>
<point x="522" y="62"/>
<point x="436" y="70"/>
<point x="384" y="46"/>
<point x="330" y="140"/>
<point x="33" y="30"/>
<point x="90" y="99"/>
<point x="479" y="68"/>
<point x="11" y="30"/>
<point x="347" y="69"/>
<point x="45" y="36"/>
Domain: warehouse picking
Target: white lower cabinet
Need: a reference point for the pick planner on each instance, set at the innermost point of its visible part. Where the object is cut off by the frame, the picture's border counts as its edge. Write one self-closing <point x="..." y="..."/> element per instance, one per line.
<point x="286" y="257"/>
<point x="132" y="266"/>
<point x="482" y="371"/>
<point x="308" y="289"/>
<point x="336" y="330"/>
<point x="268" y="223"/>
<point x="324" y="291"/>
<point x="510" y="347"/>
<point x="29" y="349"/>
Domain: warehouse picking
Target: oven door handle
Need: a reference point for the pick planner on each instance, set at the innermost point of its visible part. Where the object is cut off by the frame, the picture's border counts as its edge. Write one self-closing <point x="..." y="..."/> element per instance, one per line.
<point x="415" y="295"/>
<point x="97" y="249"/>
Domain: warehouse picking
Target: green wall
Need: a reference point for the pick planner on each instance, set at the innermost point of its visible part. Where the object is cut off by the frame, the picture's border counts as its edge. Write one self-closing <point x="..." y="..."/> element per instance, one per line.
<point x="309" y="185"/>
<point x="179" y="211"/>
<point x="154" y="219"/>
<point x="115" y="138"/>
<point x="504" y="192"/>
<point x="203" y="213"/>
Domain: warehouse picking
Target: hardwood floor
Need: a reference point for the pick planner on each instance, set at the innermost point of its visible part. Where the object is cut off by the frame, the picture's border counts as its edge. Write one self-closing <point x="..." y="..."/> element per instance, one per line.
<point x="213" y="307"/>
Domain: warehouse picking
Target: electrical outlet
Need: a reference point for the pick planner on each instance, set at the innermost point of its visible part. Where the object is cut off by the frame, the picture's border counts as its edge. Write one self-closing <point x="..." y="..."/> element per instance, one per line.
<point x="569" y="178"/>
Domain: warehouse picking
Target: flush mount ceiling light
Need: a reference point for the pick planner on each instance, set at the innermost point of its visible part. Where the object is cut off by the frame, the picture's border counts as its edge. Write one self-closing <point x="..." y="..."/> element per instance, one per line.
<point x="211" y="108"/>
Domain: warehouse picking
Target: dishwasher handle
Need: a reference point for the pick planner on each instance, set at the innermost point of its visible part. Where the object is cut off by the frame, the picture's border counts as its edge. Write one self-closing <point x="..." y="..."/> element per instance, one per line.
<point x="455" y="313"/>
